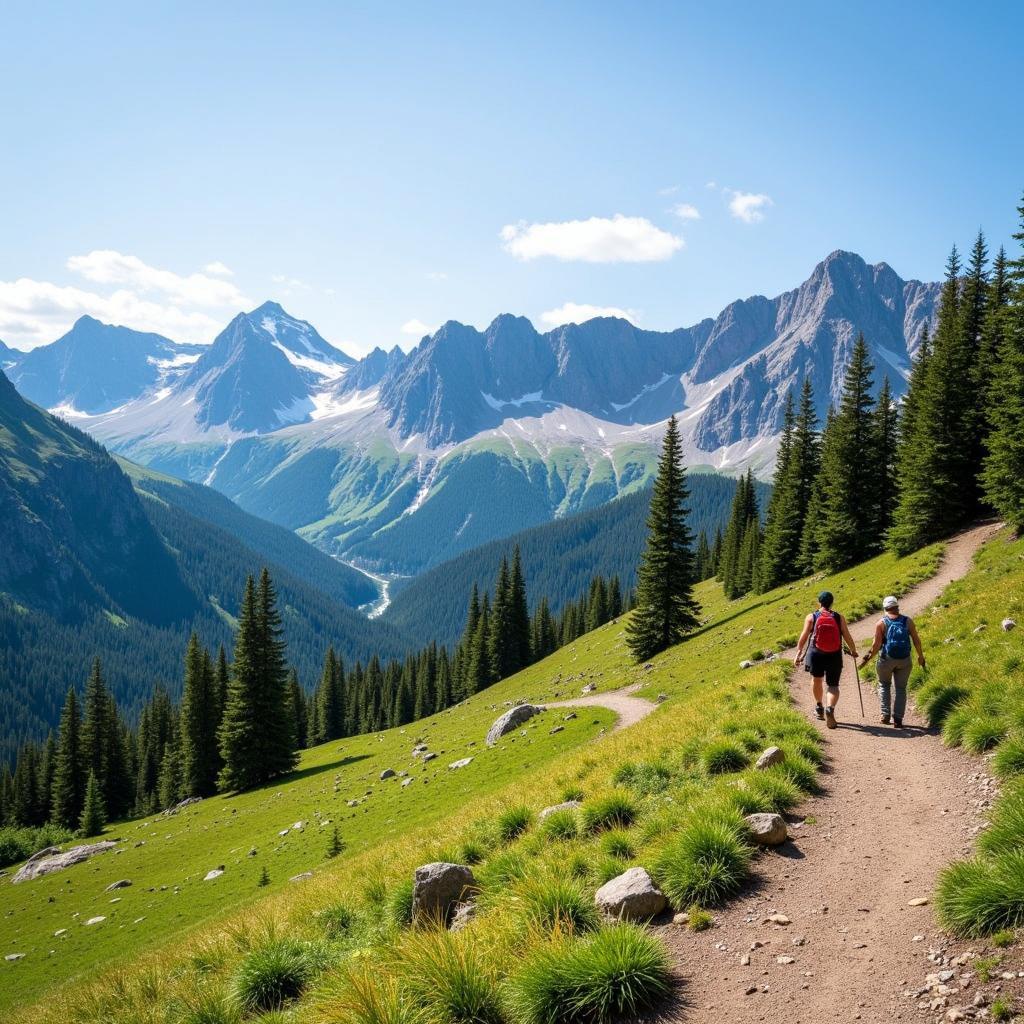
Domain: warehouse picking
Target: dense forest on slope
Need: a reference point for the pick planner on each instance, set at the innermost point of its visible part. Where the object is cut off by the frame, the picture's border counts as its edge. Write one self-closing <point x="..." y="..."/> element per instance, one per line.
<point x="559" y="558"/>
<point x="89" y="568"/>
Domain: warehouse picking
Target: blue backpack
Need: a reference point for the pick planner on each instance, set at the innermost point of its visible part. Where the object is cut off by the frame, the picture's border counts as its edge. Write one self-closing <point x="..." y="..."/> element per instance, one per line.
<point x="897" y="638"/>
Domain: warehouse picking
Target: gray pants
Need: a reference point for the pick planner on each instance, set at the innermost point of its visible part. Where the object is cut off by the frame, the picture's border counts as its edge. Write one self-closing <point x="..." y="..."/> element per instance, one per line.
<point x="893" y="670"/>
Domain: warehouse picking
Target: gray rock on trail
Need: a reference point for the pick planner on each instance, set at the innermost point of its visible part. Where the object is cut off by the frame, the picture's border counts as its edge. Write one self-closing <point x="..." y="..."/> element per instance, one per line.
<point x="47" y="861"/>
<point x="121" y="883"/>
<point x="511" y="720"/>
<point x="767" y="829"/>
<point x="568" y="805"/>
<point x="1008" y="624"/>
<point x="773" y="755"/>
<point x="437" y="888"/>
<point x="631" y="896"/>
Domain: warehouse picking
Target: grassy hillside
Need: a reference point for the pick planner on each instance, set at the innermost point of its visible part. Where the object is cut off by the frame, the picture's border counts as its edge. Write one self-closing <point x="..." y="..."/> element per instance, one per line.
<point x="559" y="558"/>
<point x="683" y="757"/>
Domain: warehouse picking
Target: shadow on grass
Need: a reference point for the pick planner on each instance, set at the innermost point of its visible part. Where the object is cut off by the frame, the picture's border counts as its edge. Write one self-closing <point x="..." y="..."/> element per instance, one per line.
<point x="306" y="773"/>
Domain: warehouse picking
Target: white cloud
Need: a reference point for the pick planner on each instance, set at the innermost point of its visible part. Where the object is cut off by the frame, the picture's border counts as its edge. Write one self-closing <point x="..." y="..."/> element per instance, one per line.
<point x="748" y="207"/>
<point x="219" y="269"/>
<point x="615" y="239"/>
<point x="107" y="266"/>
<point x="711" y="184"/>
<point x="669" y="190"/>
<point x="436" y="275"/>
<point x="417" y="328"/>
<point x="686" y="211"/>
<point x="580" y="312"/>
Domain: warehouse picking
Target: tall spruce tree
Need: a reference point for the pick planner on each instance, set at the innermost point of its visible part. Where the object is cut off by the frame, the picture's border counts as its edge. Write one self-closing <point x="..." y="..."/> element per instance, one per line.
<point x="69" y="770"/>
<point x="96" y="726"/>
<point x="200" y="759"/>
<point x="298" y="711"/>
<point x="519" y="614"/>
<point x="883" y="451"/>
<point x="94" y="815"/>
<point x="666" y="610"/>
<point x="742" y="540"/>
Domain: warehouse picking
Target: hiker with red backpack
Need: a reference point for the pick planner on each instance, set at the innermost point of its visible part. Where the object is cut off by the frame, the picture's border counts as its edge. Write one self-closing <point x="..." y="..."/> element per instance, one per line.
<point x="822" y="639"/>
<point x="894" y="635"/>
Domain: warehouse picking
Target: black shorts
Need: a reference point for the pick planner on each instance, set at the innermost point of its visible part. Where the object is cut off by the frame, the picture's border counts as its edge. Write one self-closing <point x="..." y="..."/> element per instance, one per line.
<point x="828" y="664"/>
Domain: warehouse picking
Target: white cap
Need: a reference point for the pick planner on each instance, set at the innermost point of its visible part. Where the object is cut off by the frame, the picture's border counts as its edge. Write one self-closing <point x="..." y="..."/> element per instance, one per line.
<point x="890" y="602"/>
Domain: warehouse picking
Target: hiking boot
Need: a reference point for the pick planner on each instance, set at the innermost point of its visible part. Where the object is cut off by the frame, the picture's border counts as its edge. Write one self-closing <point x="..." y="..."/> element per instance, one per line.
<point x="830" y="718"/>
<point x="819" y="712"/>
<point x="897" y="723"/>
<point x="884" y="719"/>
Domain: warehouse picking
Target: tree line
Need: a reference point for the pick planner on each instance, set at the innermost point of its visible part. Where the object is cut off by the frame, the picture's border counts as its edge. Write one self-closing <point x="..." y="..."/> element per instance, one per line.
<point x="241" y="722"/>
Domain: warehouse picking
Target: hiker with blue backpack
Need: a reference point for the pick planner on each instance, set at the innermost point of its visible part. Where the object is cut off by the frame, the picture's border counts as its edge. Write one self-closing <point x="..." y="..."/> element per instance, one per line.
<point x="822" y="639"/>
<point x="894" y="635"/>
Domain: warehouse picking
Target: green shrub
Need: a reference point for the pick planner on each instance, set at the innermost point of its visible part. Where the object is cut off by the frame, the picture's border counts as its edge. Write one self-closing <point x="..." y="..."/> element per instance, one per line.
<point x="801" y="772"/>
<point x="1001" y="1008"/>
<point x="774" y="790"/>
<point x="616" y="810"/>
<point x="17" y="844"/>
<point x="1003" y="939"/>
<point x="937" y="699"/>
<point x="399" y="903"/>
<point x="984" y="733"/>
<point x="447" y="974"/>
<point x="1006" y="828"/>
<point x="722" y="756"/>
<point x="610" y="976"/>
<point x="953" y="727"/>
<point x="982" y="896"/>
<point x="618" y="843"/>
<point x="560" y="825"/>
<point x="645" y="778"/>
<point x="275" y="973"/>
<point x="513" y="822"/>
<point x="554" y="902"/>
<point x="706" y="862"/>
<point x="698" y="919"/>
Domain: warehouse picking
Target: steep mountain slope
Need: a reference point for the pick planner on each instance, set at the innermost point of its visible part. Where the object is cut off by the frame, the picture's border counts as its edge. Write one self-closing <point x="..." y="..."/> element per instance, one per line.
<point x="96" y="367"/>
<point x="7" y="356"/>
<point x="559" y="558"/>
<point x="401" y="461"/>
<point x="88" y="567"/>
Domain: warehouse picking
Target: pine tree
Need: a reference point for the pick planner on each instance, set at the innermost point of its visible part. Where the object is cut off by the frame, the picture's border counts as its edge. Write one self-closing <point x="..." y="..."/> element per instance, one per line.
<point x="278" y="754"/>
<point x="884" y="446"/>
<point x="716" y="553"/>
<point x="478" y="671"/>
<point x="597" y="603"/>
<point x="330" y="698"/>
<point x="96" y="727"/>
<point x="501" y="640"/>
<point x="264" y="879"/>
<point x="297" y="710"/>
<point x="776" y="555"/>
<point x="666" y="608"/>
<point x="519" y="615"/>
<point x="972" y="322"/>
<point x="68" y="773"/>
<point x="742" y="540"/>
<point x="1003" y="475"/>
<point x="26" y="807"/>
<point x="702" y="559"/>
<point x="168" y="784"/>
<point x="198" y="724"/>
<point x="94" y="816"/>
<point x="615" y="597"/>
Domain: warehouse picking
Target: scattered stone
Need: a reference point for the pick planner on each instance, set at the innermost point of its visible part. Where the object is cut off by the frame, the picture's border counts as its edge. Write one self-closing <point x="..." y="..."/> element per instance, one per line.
<point x="419" y="750"/>
<point x="122" y="883"/>
<point x="406" y="782"/>
<point x="746" y="664"/>
<point x="681" y="918"/>
<point x="773" y="755"/>
<point x="304" y="876"/>
<point x="917" y="938"/>
<point x="252" y="851"/>
<point x="511" y="720"/>
<point x="388" y="773"/>
<point x="745" y="960"/>
<point x="461" y="916"/>
<point x="11" y="957"/>
<point x="567" y="805"/>
<point x="1008" y="624"/>
<point x="59" y="932"/>
<point x="979" y="629"/>
<point x="777" y="919"/>
<point x="767" y="829"/>
<point x="52" y="859"/>
<point x="215" y="873"/>
<point x="571" y="716"/>
<point x="299" y="825"/>
<point x="429" y="757"/>
<point x="918" y="901"/>
<point x="557" y="728"/>
<point x="661" y="698"/>
<point x="437" y="888"/>
<point x="751" y="990"/>
<point x="785" y="960"/>
<point x="95" y="920"/>
<point x="590" y="688"/>
<point x="460" y="763"/>
<point x="631" y="896"/>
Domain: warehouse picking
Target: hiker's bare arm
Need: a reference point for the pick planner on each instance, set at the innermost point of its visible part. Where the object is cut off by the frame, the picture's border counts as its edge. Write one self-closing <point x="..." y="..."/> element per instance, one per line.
<point x="876" y="646"/>
<point x="851" y="644"/>
<point x="917" y="642"/>
<point x="802" y="642"/>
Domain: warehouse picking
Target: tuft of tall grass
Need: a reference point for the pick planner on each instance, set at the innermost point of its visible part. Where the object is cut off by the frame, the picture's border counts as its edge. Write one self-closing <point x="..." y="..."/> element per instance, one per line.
<point x="706" y="862"/>
<point x="398" y="905"/>
<point x="370" y="996"/>
<point x="936" y="699"/>
<point x="983" y="733"/>
<point x="610" y="976"/>
<point x="556" y="903"/>
<point x="955" y="723"/>
<point x="645" y="778"/>
<point x="615" y="810"/>
<point x="337" y="921"/>
<point x="207" y="1004"/>
<point x="560" y="826"/>
<point x="503" y="868"/>
<point x="722" y="756"/>
<point x="275" y="973"/>
<point x="1009" y="758"/>
<point x="982" y="896"/>
<point x="1006" y="828"/>
<point x="513" y="822"/>
<point x="618" y="843"/>
<point x="801" y="772"/>
<point x="774" y="790"/>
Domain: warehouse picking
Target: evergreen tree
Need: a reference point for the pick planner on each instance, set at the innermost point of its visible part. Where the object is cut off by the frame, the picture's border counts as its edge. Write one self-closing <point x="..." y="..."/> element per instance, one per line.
<point x="742" y="540"/>
<point x="500" y="626"/>
<point x="26" y="806"/>
<point x="198" y="724"/>
<point x="68" y="773"/>
<point x="335" y="845"/>
<point x="330" y="698"/>
<point x="278" y="753"/>
<point x="96" y="727"/>
<point x="716" y="553"/>
<point x="297" y="710"/>
<point x="972" y="320"/>
<point x="883" y="450"/>
<point x="702" y="559"/>
<point x="519" y="616"/>
<point x="597" y="603"/>
<point x="94" y="816"/>
<point x="478" y="672"/>
<point x="615" y="598"/>
<point x="666" y="608"/>
<point x="168" y="785"/>
<point x="7" y="796"/>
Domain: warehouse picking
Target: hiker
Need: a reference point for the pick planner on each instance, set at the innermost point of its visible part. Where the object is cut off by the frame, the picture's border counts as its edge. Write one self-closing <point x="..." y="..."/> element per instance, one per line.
<point x="893" y="636"/>
<point x="822" y="638"/>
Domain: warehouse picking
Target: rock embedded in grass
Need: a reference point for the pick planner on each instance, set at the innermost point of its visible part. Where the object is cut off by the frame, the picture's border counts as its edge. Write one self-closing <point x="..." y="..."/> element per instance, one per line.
<point x="631" y="896"/>
<point x="771" y="756"/>
<point x="767" y="829"/>
<point x="437" y="888"/>
<point x="1008" y="624"/>
<point x="511" y="720"/>
<point x="388" y="773"/>
<point x="121" y="883"/>
<point x="52" y="859"/>
<point x="567" y="805"/>
<point x="214" y="873"/>
<point x="461" y="763"/>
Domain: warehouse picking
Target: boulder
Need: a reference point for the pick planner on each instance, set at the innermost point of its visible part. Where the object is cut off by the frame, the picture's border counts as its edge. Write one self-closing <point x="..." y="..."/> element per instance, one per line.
<point x="568" y="805"/>
<point x="461" y="916"/>
<point x="631" y="896"/>
<point x="437" y="888"/>
<point x="47" y="861"/>
<point x="767" y="829"/>
<point x="214" y="873"/>
<point x="407" y="782"/>
<point x="122" y="883"/>
<point x="1008" y="624"/>
<point x="773" y="755"/>
<point x="589" y="688"/>
<point x="388" y="773"/>
<point x="510" y="720"/>
<point x="95" y="920"/>
<point x="461" y="763"/>
<point x="746" y="664"/>
<point x="304" y="876"/>
<point x="429" y="756"/>
<point x="11" y="957"/>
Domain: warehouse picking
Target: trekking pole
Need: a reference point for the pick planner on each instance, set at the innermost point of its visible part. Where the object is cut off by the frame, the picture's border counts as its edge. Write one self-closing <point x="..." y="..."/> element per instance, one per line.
<point x="856" y="672"/>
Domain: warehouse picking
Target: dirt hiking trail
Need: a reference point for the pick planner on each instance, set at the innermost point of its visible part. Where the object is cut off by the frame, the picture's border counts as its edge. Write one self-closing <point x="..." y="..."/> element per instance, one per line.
<point x="896" y="807"/>
<point x="630" y="709"/>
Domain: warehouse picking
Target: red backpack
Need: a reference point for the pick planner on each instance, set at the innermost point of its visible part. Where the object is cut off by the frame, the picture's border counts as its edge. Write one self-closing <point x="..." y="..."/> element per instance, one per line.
<point x="826" y="636"/>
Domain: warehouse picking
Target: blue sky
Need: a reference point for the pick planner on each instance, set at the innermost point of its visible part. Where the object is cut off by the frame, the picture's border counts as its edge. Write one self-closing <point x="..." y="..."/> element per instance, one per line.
<point x="385" y="166"/>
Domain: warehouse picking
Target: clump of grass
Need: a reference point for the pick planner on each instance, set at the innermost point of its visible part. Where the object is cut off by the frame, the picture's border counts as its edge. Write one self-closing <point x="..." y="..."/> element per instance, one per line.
<point x="954" y="725"/>
<point x="645" y="778"/>
<point x="399" y="903"/>
<point x="774" y="790"/>
<point x="1009" y="758"/>
<point x="572" y="793"/>
<point x="984" y="966"/>
<point x="503" y="869"/>
<point x="984" y="733"/>
<point x="618" y="843"/>
<point x="555" y="902"/>
<point x="276" y="973"/>
<point x="722" y="756"/>
<point x="578" y="866"/>
<point x="698" y="919"/>
<point x="801" y="772"/>
<point x="982" y="896"/>
<point x="605" y="869"/>
<point x="446" y="974"/>
<point x="369" y="996"/>
<point x="513" y="822"/>
<point x="613" y="975"/>
<point x="937" y="699"/>
<point x="1001" y="1008"/>
<point x="472" y="851"/>
<point x="337" y="921"/>
<point x="206" y="1005"/>
<point x="707" y="861"/>
<point x="1006" y="829"/>
<point x="1004" y="938"/>
<point x="560" y="826"/>
<point x="615" y="810"/>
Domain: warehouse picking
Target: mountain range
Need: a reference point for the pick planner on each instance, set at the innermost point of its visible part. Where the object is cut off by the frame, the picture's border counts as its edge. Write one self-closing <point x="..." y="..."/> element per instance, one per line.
<point x="399" y="461"/>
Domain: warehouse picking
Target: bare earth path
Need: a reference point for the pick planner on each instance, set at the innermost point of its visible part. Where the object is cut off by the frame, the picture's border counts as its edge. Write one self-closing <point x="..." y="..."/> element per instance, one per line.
<point x="629" y="709"/>
<point x="896" y="807"/>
